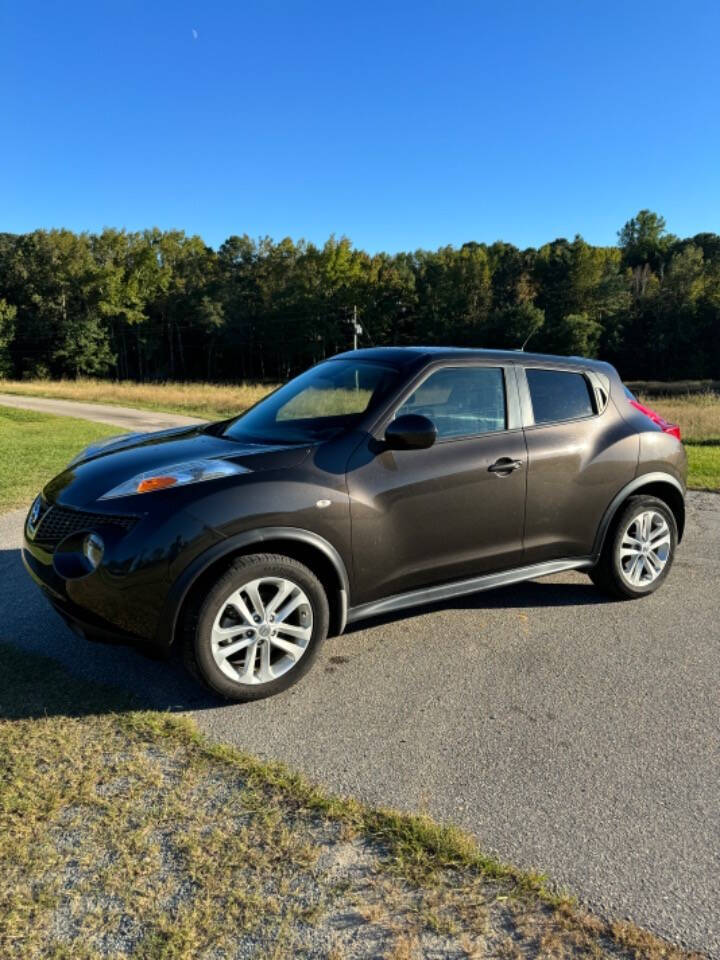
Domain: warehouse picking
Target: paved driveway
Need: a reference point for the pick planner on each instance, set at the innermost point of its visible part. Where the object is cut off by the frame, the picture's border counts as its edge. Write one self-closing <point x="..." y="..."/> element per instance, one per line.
<point x="570" y="734"/>
<point x="125" y="417"/>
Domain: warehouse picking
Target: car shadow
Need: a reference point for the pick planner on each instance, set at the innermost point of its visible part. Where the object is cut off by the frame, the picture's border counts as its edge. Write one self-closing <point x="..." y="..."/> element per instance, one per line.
<point x="47" y="669"/>
<point x="35" y="632"/>
<point x="531" y="593"/>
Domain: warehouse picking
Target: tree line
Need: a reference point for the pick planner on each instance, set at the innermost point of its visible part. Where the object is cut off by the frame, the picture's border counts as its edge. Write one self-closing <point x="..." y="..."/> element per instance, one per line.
<point x="158" y="305"/>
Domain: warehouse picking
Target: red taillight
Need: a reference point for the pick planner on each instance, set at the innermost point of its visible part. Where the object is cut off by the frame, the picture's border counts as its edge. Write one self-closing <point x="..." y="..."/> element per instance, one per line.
<point x="646" y="410"/>
<point x="665" y="426"/>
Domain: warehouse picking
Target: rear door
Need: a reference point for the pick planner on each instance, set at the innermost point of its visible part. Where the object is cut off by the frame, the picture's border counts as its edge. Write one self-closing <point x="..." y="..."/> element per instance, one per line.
<point x="581" y="452"/>
<point x="421" y="517"/>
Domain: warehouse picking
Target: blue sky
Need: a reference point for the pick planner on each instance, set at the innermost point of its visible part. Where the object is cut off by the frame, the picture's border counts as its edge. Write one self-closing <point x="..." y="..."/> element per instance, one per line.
<point x="399" y="124"/>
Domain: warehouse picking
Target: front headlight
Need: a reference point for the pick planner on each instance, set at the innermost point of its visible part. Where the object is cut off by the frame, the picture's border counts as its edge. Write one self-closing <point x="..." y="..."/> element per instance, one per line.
<point x="178" y="475"/>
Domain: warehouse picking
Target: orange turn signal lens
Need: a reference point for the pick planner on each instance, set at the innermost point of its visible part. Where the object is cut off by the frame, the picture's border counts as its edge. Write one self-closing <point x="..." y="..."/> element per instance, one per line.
<point x="156" y="483"/>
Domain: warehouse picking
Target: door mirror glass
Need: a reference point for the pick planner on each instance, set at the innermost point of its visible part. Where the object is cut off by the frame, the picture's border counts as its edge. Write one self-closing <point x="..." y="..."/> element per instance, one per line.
<point x="411" y="431"/>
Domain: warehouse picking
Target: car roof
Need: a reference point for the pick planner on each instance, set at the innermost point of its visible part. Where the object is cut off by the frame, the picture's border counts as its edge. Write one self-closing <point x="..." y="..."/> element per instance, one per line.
<point x="404" y="355"/>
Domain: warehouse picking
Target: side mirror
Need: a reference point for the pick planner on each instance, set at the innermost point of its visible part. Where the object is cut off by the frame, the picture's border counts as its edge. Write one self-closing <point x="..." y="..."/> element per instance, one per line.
<point x="410" y="432"/>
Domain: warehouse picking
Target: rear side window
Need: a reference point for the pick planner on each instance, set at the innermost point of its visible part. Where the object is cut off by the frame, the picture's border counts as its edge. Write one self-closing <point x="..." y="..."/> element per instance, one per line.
<point x="559" y="395"/>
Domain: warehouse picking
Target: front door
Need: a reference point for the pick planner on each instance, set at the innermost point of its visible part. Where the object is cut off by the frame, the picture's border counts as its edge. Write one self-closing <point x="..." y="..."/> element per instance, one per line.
<point x="421" y="517"/>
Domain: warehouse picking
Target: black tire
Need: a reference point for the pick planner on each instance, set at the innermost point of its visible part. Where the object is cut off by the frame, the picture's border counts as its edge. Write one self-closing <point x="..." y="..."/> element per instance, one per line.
<point x="197" y="647"/>
<point x="608" y="574"/>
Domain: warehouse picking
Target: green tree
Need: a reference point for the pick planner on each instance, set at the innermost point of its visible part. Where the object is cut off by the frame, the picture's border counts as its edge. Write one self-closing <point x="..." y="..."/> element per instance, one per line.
<point x="7" y="334"/>
<point x="644" y="240"/>
<point x="515" y="326"/>
<point x="155" y="304"/>
<point x="580" y="335"/>
<point x="59" y="327"/>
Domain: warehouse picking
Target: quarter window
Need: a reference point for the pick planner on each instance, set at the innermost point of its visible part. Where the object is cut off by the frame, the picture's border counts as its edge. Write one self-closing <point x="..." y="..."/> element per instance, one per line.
<point x="461" y="401"/>
<point x="559" y="395"/>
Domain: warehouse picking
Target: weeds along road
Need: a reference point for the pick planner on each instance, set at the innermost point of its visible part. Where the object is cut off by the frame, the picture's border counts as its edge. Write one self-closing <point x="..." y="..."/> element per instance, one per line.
<point x="569" y="733"/>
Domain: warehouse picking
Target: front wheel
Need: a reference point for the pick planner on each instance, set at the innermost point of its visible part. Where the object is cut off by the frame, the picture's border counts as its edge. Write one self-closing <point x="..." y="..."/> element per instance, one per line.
<point x="259" y="628"/>
<point x="639" y="550"/>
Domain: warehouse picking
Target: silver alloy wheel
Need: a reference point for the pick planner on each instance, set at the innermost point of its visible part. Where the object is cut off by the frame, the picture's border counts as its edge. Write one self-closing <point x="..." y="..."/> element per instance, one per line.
<point x="645" y="548"/>
<point x="262" y="630"/>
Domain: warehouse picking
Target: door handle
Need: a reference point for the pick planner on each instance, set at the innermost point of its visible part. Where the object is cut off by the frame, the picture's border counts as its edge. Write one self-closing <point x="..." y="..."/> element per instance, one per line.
<point x="504" y="465"/>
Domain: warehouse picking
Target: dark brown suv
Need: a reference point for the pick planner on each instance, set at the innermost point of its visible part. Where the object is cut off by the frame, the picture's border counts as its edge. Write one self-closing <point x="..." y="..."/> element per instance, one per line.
<point x="376" y="481"/>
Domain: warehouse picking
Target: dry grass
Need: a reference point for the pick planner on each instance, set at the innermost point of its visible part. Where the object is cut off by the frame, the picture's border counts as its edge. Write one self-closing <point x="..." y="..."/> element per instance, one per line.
<point x="698" y="415"/>
<point x="194" y="399"/>
<point x="126" y="835"/>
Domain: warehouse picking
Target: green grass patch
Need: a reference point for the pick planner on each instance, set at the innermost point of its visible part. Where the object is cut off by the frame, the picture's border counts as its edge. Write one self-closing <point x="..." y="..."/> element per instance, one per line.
<point x="126" y="834"/>
<point x="704" y="465"/>
<point x="35" y="447"/>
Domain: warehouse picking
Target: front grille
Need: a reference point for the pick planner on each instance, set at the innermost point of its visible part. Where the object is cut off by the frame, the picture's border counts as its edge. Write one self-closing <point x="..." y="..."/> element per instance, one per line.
<point x="59" y="522"/>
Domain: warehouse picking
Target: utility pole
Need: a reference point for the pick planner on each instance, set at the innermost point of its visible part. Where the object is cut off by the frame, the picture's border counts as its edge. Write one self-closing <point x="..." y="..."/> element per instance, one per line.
<point x="356" y="327"/>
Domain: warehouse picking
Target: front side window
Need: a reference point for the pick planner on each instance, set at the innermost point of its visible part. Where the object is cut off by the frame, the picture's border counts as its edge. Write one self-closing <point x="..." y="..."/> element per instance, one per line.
<point x="325" y="399"/>
<point x="461" y="401"/>
<point x="559" y="395"/>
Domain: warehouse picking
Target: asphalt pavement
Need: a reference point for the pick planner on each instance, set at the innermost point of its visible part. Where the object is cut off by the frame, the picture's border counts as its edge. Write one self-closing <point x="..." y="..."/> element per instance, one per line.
<point x="571" y="734"/>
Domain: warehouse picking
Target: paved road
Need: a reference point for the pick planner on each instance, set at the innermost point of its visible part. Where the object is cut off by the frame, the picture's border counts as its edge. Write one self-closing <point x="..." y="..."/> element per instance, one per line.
<point x="124" y="417"/>
<point x="571" y="734"/>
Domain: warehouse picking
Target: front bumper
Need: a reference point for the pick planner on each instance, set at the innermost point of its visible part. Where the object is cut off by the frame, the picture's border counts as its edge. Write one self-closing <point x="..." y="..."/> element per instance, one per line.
<point x="122" y="600"/>
<point x="81" y="621"/>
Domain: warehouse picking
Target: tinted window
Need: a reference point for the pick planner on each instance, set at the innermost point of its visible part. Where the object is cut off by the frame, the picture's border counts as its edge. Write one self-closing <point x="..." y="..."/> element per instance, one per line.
<point x="461" y="401"/>
<point x="558" y="395"/>
<point x="327" y="398"/>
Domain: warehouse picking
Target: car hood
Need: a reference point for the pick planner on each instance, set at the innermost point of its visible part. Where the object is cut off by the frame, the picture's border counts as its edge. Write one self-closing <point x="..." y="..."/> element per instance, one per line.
<point x="104" y="466"/>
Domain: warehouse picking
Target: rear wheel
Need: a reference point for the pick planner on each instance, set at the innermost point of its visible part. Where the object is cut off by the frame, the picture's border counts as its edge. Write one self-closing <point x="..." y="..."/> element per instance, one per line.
<point x="638" y="551"/>
<point x="259" y="628"/>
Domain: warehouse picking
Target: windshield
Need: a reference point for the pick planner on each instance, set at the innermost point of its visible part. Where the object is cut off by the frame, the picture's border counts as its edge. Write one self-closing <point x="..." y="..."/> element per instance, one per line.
<point x="317" y="404"/>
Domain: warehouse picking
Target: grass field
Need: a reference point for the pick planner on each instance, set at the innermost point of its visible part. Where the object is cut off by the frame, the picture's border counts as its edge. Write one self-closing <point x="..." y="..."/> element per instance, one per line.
<point x="697" y="414"/>
<point x="703" y="466"/>
<point x="127" y="835"/>
<point x="208" y="400"/>
<point x="36" y="446"/>
<point x="699" y="419"/>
